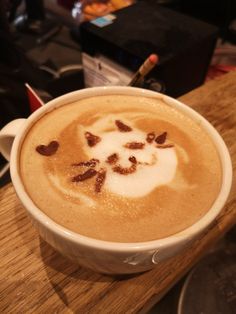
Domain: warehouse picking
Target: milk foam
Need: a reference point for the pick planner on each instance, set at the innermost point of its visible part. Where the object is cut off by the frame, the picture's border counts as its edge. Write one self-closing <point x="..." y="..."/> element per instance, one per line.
<point x="169" y="190"/>
<point x="81" y="196"/>
<point x="155" y="166"/>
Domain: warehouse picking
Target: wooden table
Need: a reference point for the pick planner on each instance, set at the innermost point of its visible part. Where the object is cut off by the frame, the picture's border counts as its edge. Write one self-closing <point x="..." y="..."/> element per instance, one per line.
<point x="36" y="279"/>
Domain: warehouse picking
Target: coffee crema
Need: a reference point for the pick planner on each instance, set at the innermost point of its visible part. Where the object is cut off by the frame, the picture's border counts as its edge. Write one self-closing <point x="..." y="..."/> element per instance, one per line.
<point x="120" y="168"/>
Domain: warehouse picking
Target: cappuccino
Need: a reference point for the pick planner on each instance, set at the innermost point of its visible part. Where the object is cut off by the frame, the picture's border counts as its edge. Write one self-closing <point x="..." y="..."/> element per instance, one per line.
<point x="120" y="168"/>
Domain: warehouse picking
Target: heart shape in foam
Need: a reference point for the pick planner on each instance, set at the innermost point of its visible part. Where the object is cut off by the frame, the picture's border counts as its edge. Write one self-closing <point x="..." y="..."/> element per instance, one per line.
<point x="48" y="150"/>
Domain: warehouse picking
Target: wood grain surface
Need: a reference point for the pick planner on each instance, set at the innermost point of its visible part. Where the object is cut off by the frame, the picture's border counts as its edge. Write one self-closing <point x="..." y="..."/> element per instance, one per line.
<point x="35" y="279"/>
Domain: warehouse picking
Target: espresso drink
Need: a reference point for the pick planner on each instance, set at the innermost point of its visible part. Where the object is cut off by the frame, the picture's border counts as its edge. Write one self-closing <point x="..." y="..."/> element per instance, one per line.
<point x="120" y="168"/>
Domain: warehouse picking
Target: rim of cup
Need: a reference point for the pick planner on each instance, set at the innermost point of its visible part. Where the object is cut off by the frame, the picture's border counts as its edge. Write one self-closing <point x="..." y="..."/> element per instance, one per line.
<point x="169" y="241"/>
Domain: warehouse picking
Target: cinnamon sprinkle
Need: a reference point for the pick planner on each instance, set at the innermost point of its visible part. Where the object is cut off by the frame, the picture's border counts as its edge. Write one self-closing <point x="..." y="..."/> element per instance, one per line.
<point x="48" y="150"/>
<point x="150" y="137"/>
<point x="92" y="139"/>
<point x="90" y="163"/>
<point x="160" y="139"/>
<point x="112" y="159"/>
<point x="134" y="145"/>
<point x="84" y="176"/>
<point x="124" y="171"/>
<point x="165" y="146"/>
<point x="133" y="159"/>
<point x="100" y="179"/>
<point x="122" y="127"/>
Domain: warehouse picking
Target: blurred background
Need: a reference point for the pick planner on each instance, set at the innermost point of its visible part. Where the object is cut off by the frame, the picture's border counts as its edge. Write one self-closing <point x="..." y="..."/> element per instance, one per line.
<point x="57" y="46"/>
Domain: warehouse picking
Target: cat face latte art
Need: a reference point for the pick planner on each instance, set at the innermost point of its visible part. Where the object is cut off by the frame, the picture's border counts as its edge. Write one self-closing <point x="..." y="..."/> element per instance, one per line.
<point x="120" y="168"/>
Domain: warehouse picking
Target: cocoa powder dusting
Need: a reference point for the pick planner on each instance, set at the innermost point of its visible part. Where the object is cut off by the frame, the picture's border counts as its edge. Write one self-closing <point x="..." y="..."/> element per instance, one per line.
<point x="92" y="139"/>
<point x="90" y="163"/>
<point x="165" y="146"/>
<point x="124" y="171"/>
<point x="122" y="127"/>
<point x="150" y="137"/>
<point x="84" y="176"/>
<point x="160" y="139"/>
<point x="112" y="159"/>
<point x="48" y="150"/>
<point x="134" y="145"/>
<point x="100" y="179"/>
<point x="133" y="159"/>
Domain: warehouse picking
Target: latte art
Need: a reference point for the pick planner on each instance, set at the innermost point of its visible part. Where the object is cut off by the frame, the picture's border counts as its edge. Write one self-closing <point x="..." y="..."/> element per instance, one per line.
<point x="138" y="166"/>
<point x="120" y="168"/>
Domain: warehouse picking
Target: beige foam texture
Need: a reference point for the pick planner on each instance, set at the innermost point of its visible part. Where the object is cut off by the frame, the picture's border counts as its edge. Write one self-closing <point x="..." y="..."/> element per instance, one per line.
<point x="165" y="210"/>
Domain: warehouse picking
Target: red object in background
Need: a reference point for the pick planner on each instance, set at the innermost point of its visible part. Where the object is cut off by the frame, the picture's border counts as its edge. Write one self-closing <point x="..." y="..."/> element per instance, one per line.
<point x="218" y="70"/>
<point x="35" y="101"/>
<point x="68" y="4"/>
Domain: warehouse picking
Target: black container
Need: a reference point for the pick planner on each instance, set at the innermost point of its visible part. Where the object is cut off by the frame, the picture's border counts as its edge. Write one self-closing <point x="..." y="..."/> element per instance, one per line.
<point x="184" y="44"/>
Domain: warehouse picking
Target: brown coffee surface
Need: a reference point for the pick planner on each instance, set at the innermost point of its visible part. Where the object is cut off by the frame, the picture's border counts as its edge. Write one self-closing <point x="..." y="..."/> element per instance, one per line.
<point x="81" y="183"/>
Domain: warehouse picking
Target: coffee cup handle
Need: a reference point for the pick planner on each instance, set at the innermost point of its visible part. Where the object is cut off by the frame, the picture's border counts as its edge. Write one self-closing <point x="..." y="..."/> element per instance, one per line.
<point x="7" y="135"/>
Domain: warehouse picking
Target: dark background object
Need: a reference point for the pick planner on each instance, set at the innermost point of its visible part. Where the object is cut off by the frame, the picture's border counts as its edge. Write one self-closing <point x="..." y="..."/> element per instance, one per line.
<point x="15" y="70"/>
<point x="217" y="12"/>
<point x="213" y="284"/>
<point x="210" y="287"/>
<point x="19" y="64"/>
<point x="184" y="44"/>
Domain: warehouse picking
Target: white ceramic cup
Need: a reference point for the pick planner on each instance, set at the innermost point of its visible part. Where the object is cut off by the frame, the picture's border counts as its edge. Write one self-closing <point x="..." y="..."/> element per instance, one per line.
<point x="104" y="256"/>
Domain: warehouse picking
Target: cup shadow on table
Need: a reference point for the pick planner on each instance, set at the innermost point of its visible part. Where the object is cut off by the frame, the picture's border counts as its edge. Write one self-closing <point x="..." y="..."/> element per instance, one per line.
<point x="63" y="274"/>
<point x="59" y="263"/>
<point x="57" y="267"/>
<point x="50" y="257"/>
